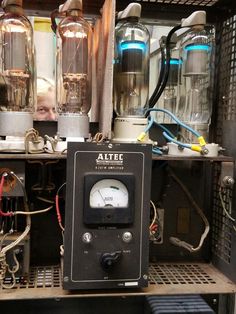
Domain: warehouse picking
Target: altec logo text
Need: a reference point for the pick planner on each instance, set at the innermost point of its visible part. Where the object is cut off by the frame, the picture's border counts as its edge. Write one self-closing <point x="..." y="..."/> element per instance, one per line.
<point x="110" y="157"/>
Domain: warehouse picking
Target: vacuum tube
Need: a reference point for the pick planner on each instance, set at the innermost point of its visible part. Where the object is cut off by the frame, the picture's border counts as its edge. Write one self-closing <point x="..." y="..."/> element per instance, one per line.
<point x="131" y="74"/>
<point x="169" y="99"/>
<point x="73" y="88"/>
<point x="197" y="47"/>
<point x="17" y="80"/>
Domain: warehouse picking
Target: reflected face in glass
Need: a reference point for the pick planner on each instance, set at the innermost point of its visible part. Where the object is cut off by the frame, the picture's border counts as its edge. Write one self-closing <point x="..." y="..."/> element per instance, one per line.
<point x="45" y="107"/>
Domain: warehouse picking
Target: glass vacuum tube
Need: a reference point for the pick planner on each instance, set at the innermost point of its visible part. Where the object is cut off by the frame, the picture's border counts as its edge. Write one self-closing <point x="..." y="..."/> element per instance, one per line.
<point x="169" y="97"/>
<point x="17" y="80"/>
<point x="131" y="69"/>
<point x="197" y="56"/>
<point x="73" y="75"/>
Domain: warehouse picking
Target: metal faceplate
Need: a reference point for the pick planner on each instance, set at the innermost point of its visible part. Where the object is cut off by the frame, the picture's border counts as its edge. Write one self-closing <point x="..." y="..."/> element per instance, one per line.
<point x="107" y="216"/>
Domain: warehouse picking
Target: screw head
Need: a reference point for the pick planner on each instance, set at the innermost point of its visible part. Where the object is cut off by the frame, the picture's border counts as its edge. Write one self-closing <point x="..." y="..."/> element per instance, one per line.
<point x="66" y="279"/>
<point x="127" y="236"/>
<point x="228" y="181"/>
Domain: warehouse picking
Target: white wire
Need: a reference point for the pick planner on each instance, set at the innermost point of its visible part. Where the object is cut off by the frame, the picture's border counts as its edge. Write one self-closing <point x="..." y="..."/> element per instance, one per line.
<point x="28" y="220"/>
<point x="34" y="212"/>
<point x="154" y="216"/>
<point x="45" y="200"/>
<point x="12" y="272"/>
<point x="177" y="241"/>
<point x="224" y="207"/>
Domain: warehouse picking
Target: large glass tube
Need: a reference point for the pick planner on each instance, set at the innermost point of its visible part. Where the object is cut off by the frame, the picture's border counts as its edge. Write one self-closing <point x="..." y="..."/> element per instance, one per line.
<point x="197" y="48"/>
<point x="74" y="50"/>
<point x="170" y="97"/>
<point x="131" y="69"/>
<point x="17" y="80"/>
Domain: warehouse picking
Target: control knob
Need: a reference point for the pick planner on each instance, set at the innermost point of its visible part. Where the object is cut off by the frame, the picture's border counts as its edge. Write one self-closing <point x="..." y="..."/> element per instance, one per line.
<point x="108" y="260"/>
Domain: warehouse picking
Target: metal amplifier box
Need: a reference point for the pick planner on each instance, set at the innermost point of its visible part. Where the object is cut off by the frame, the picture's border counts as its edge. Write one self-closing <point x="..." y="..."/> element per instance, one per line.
<point x="107" y="216"/>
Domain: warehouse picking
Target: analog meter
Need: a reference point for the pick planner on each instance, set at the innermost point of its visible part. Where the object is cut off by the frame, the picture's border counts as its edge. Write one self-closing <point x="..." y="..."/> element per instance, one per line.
<point x="109" y="199"/>
<point x="109" y="193"/>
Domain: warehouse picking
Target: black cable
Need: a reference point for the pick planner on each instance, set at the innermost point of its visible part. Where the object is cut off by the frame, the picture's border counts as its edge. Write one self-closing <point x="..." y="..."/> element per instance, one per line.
<point x="54" y="15"/>
<point x="167" y="68"/>
<point x="162" y="70"/>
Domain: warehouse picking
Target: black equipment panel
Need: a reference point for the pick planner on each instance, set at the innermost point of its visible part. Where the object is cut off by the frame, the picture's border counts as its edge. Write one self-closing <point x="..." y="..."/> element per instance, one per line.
<point x="107" y="216"/>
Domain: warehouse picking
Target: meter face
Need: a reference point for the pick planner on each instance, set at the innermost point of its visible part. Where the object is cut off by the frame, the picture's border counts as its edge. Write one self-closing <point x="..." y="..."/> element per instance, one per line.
<point x="109" y="199"/>
<point x="109" y="193"/>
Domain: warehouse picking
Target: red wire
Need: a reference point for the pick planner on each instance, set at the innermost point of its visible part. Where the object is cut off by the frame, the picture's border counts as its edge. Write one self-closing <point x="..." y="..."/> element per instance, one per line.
<point x="1" y="192"/>
<point x="58" y="209"/>
<point x="1" y="186"/>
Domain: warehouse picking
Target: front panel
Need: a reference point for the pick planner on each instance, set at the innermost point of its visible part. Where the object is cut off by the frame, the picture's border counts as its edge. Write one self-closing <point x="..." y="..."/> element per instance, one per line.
<point x="107" y="216"/>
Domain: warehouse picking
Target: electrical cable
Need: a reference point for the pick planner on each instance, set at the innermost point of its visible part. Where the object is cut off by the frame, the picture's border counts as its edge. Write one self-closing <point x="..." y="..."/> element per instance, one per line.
<point x="55" y="14"/>
<point x="227" y="213"/>
<point x="150" y="123"/>
<point x="45" y="200"/>
<point x="224" y="207"/>
<point x="157" y="151"/>
<point x="160" y="74"/>
<point x="155" y="97"/>
<point x="201" y="148"/>
<point x="179" y="122"/>
<point x="164" y="129"/>
<point x="59" y="219"/>
<point x="98" y="138"/>
<point x="171" y="139"/>
<point x="179" y="242"/>
<point x="36" y="212"/>
<point x="3" y="239"/>
<point x="52" y="141"/>
<point x="19" y="212"/>
<point x="3" y="214"/>
<point x="12" y="271"/>
<point x="33" y="135"/>
<point x="154" y="216"/>
<point x="3" y="265"/>
<point x="28" y="219"/>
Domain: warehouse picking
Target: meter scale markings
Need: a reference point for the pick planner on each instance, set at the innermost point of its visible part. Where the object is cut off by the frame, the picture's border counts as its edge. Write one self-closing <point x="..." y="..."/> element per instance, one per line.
<point x="109" y="193"/>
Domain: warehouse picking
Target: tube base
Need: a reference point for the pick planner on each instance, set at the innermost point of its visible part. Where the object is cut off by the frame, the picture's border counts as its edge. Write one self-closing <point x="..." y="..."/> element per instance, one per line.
<point x="73" y="126"/>
<point x="15" y="123"/>
<point x="127" y="130"/>
<point x="175" y="150"/>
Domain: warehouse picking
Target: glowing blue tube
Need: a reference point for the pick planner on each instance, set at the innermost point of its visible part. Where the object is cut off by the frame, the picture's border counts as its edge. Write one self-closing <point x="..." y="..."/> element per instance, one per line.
<point x="175" y="62"/>
<point x="197" y="47"/>
<point x="133" y="45"/>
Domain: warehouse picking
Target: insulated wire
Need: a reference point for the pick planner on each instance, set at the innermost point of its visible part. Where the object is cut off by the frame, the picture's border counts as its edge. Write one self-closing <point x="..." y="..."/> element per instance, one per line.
<point x="177" y="241"/>
<point x="12" y="272"/>
<point x="59" y="219"/>
<point x="33" y="212"/>
<point x="20" y="212"/>
<point x="175" y="119"/>
<point x="165" y="129"/>
<point x="171" y="139"/>
<point x="225" y="210"/>
<point x="28" y="220"/>
<point x="224" y="207"/>
<point x="154" y="216"/>
<point x="155" y="97"/>
<point x="160" y="75"/>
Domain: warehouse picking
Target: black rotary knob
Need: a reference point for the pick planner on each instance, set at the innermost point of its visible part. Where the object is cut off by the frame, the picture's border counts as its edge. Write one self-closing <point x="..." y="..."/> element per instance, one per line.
<point x="108" y="260"/>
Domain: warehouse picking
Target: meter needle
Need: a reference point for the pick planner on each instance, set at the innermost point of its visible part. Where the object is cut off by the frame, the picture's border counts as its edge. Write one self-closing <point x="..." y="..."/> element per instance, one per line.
<point x="102" y="197"/>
